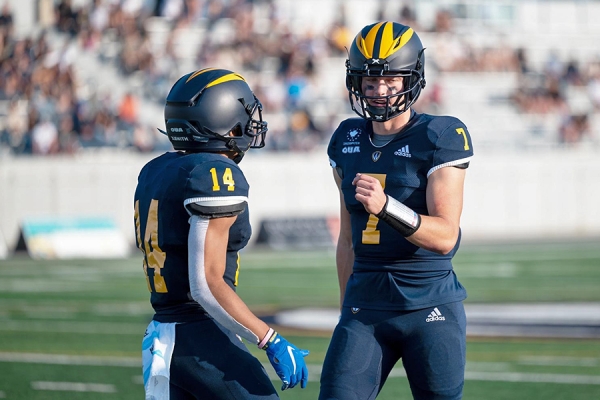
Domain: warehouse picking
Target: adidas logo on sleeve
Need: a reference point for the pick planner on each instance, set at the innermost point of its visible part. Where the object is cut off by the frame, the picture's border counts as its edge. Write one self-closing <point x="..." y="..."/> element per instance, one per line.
<point x="435" y="315"/>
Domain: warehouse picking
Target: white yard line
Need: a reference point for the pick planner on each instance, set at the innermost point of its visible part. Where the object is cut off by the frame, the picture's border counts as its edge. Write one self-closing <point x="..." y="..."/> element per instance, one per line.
<point x="72" y="327"/>
<point x="314" y="369"/>
<point x="533" y="378"/>
<point x="64" y="359"/>
<point x="74" y="386"/>
<point x="315" y="372"/>
<point x="560" y="361"/>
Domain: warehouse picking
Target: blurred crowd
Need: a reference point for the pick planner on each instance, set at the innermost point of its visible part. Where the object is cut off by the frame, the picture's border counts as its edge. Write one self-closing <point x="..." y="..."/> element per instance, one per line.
<point x="46" y="111"/>
<point x="564" y="88"/>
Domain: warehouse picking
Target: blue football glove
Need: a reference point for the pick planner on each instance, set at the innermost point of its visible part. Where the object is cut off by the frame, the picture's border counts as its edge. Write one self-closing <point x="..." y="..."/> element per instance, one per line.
<point x="288" y="361"/>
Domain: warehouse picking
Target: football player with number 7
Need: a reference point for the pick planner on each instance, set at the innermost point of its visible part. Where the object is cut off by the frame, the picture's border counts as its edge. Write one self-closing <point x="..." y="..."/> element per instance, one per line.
<point x="191" y="221"/>
<point x="400" y="175"/>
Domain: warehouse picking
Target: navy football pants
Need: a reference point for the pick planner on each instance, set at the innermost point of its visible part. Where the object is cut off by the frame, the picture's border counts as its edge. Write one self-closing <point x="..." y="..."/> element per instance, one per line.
<point x="211" y="363"/>
<point x="366" y="345"/>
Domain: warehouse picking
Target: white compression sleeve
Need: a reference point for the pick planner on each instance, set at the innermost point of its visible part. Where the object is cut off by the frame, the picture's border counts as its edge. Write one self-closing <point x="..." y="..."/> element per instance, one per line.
<point x="199" y="286"/>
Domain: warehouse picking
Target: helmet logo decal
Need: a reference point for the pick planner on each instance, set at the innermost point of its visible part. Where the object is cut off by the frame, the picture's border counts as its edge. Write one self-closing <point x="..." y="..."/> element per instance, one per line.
<point x="392" y="45"/>
<point x="232" y="76"/>
<point x="226" y="78"/>
<point x="380" y="41"/>
<point x="376" y="155"/>
<point x="386" y="41"/>
<point x="367" y="44"/>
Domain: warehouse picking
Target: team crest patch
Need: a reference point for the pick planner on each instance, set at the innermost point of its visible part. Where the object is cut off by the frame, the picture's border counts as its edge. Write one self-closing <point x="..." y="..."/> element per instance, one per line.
<point x="352" y="144"/>
<point x="375" y="156"/>
<point x="353" y="135"/>
<point x="355" y="310"/>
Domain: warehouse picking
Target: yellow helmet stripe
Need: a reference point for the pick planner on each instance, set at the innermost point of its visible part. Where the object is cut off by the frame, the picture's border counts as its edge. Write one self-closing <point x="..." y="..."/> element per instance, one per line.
<point x="226" y="78"/>
<point x="368" y="43"/>
<point x="389" y="45"/>
<point x="380" y="41"/>
<point x="387" y="41"/>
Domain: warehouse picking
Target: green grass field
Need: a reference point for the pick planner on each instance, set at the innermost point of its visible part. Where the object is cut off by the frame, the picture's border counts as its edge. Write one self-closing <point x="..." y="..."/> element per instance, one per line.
<point x="72" y="329"/>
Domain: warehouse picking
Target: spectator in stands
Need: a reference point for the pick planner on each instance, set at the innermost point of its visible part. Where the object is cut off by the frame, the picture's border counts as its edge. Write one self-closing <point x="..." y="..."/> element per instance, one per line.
<point x="129" y="109"/>
<point x="98" y="22"/>
<point x="572" y="74"/>
<point x="443" y="21"/>
<point x="15" y="133"/>
<point x="67" y="18"/>
<point x="593" y="88"/>
<point x="339" y="35"/>
<point x="67" y="137"/>
<point x="44" y="137"/>
<point x="6" y="20"/>
<point x="574" y="129"/>
<point x="553" y="65"/>
<point x="408" y="17"/>
<point x="523" y="64"/>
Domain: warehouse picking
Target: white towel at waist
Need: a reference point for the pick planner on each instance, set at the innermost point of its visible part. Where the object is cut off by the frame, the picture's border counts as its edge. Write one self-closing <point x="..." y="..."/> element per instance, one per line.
<point x="157" y="348"/>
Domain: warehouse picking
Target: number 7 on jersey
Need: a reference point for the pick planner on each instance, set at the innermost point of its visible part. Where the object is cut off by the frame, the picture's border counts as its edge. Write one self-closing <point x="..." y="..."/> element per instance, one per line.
<point x="371" y="234"/>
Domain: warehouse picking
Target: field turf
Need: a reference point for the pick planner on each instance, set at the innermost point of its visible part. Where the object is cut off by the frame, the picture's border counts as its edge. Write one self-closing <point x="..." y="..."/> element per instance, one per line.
<point x="71" y="329"/>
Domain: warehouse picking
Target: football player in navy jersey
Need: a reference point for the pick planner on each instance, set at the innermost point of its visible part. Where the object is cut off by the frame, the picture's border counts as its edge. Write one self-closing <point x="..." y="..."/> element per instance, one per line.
<point x="191" y="221"/>
<point x="400" y="175"/>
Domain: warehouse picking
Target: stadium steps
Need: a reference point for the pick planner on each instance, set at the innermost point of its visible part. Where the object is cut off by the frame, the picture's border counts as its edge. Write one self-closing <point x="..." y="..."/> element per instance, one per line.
<point x="482" y="100"/>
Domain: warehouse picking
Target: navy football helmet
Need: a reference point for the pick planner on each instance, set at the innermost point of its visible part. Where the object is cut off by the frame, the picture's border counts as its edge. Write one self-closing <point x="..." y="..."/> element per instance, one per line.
<point x="385" y="49"/>
<point x="213" y="110"/>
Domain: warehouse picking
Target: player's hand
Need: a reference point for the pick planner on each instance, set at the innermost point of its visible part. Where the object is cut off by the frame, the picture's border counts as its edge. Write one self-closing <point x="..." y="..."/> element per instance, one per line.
<point x="370" y="193"/>
<point x="288" y="362"/>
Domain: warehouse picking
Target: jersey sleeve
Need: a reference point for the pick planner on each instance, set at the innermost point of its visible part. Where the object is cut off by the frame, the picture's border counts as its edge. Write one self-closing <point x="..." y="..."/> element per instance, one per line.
<point x="216" y="189"/>
<point x="453" y="147"/>
<point x="333" y="149"/>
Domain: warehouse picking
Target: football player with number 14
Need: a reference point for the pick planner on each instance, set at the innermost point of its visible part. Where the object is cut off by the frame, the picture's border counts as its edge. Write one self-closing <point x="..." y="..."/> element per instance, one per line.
<point x="191" y="221"/>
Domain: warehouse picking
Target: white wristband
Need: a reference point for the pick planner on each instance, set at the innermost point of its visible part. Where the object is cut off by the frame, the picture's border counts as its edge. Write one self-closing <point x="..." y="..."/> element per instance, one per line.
<point x="266" y="338"/>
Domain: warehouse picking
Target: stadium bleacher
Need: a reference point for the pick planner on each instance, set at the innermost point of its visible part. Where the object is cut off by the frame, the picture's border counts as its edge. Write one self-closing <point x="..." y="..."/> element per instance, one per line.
<point x="471" y="57"/>
<point x="490" y="64"/>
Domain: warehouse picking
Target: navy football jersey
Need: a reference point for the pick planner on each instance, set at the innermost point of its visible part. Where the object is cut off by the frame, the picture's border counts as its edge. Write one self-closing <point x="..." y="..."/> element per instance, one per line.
<point x="168" y="189"/>
<point x="390" y="272"/>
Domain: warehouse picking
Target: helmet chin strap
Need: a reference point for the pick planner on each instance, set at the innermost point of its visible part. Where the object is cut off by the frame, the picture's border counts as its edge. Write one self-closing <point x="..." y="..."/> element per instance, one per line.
<point x="232" y="144"/>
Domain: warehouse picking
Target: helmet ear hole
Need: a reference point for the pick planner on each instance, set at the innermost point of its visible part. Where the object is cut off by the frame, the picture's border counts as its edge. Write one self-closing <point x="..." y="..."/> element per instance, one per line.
<point x="236" y="131"/>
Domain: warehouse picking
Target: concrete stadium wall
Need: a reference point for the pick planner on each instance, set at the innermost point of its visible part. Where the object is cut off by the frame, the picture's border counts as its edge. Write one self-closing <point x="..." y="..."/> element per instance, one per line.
<point x="554" y="194"/>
